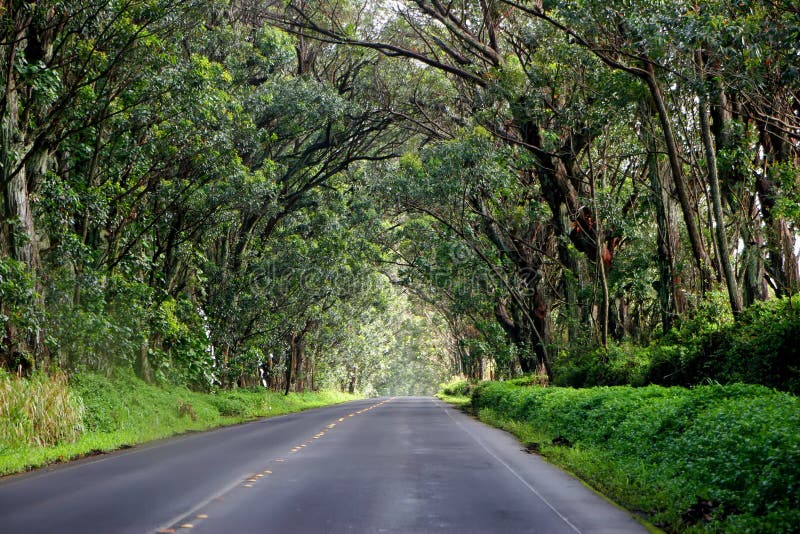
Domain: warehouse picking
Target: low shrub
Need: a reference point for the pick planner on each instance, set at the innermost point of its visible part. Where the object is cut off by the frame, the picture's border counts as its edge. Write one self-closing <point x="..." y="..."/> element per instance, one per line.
<point x="228" y="406"/>
<point x="759" y="347"/>
<point x="734" y="449"/>
<point x="457" y="388"/>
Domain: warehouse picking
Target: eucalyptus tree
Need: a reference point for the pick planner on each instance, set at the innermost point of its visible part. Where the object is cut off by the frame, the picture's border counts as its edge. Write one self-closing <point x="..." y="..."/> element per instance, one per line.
<point x="466" y="193"/>
<point x="747" y="58"/>
<point x="427" y="256"/>
<point x="126" y="206"/>
<point x="715" y="53"/>
<point x="523" y="92"/>
<point x="306" y="117"/>
<point x="386" y="342"/>
<point x="56" y="58"/>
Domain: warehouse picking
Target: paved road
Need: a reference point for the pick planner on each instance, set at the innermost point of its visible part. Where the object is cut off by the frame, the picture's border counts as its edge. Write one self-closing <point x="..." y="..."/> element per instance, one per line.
<point x="403" y="465"/>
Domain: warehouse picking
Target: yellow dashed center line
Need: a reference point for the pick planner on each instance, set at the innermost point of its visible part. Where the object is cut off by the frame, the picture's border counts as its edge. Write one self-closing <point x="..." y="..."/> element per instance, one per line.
<point x="249" y="482"/>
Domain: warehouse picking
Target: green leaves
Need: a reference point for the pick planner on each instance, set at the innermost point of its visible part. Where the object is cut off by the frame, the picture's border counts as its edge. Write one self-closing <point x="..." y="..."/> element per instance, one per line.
<point x="736" y="446"/>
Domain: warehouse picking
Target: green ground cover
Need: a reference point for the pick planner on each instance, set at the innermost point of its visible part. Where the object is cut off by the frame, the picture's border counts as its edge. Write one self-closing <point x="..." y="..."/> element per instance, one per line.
<point x="707" y="459"/>
<point x="45" y="420"/>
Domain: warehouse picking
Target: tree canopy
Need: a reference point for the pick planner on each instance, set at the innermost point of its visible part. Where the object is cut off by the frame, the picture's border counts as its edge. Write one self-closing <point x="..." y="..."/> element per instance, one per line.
<point x="376" y="195"/>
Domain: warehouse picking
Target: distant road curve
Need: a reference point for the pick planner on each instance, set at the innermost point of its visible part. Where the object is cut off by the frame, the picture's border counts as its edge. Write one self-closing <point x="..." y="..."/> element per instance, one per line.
<point x="400" y="465"/>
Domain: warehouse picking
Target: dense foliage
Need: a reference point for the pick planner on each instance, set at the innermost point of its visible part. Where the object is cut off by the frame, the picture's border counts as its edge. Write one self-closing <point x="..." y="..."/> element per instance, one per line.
<point x="184" y="195"/>
<point x="590" y="173"/>
<point x="759" y="347"/>
<point x="376" y="195"/>
<point x="711" y="458"/>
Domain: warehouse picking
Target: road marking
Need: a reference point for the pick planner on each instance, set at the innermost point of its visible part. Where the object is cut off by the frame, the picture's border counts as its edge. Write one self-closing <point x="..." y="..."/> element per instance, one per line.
<point x="248" y="483"/>
<point x="511" y="470"/>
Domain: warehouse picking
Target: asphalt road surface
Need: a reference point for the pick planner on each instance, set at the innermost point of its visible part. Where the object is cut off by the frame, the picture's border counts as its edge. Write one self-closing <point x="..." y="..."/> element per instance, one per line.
<point x="401" y="465"/>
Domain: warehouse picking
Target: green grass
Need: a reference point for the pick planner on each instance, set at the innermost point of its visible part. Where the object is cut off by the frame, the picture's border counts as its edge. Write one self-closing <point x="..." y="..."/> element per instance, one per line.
<point x="459" y="401"/>
<point x="457" y="392"/>
<point x="125" y="411"/>
<point x="731" y="452"/>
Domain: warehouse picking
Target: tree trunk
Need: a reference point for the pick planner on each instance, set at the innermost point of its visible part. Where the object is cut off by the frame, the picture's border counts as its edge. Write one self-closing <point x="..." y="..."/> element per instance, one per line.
<point x="299" y="362"/>
<point x="18" y="233"/>
<point x="739" y="196"/>
<point x="351" y="384"/>
<point x="679" y="180"/>
<point x="782" y="261"/>
<point x="716" y="199"/>
<point x="669" y="287"/>
<point x="290" y="365"/>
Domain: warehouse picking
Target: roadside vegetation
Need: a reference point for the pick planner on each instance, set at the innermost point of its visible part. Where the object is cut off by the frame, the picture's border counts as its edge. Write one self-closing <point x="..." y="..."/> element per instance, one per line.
<point x="759" y="346"/>
<point x="706" y="459"/>
<point x="690" y="431"/>
<point x="457" y="392"/>
<point x="44" y="419"/>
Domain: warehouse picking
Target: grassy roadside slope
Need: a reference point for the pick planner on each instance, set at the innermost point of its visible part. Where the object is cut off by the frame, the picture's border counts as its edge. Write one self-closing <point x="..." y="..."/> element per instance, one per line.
<point x="707" y="459"/>
<point x="45" y="420"/>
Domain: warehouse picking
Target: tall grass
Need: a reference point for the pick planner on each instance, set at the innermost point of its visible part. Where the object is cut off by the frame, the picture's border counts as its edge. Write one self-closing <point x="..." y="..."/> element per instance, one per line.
<point x="38" y="411"/>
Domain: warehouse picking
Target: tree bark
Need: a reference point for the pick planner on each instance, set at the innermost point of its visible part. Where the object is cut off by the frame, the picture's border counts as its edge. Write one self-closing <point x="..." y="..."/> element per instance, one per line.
<point x="670" y="290"/>
<point x="782" y="260"/>
<point x="734" y="296"/>
<point x="681" y="187"/>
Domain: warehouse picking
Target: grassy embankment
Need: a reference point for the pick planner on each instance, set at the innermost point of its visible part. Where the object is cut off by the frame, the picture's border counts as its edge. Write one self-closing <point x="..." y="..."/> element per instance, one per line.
<point x="47" y="419"/>
<point x="707" y="459"/>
